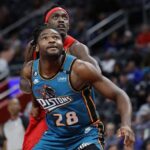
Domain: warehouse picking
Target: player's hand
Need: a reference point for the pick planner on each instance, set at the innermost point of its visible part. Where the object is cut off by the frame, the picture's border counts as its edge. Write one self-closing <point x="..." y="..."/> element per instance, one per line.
<point x="35" y="112"/>
<point x="128" y="135"/>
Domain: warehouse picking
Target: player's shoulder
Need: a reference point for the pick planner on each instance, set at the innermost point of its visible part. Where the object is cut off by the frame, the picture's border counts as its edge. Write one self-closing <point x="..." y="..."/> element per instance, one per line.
<point x="82" y="66"/>
<point x="78" y="44"/>
<point x="84" y="70"/>
<point x="79" y="50"/>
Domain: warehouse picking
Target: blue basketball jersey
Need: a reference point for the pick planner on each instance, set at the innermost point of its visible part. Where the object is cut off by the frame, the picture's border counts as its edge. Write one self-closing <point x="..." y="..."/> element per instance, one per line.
<point x="69" y="111"/>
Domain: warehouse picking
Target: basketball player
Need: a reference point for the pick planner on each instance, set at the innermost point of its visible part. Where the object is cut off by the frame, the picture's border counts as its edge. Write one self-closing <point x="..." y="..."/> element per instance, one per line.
<point x="61" y="85"/>
<point x="58" y="18"/>
<point x="55" y="17"/>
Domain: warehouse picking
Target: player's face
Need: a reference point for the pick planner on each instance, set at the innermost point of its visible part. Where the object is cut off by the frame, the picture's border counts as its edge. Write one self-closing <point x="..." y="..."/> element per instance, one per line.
<point x="60" y="21"/>
<point x="50" y="43"/>
<point x="14" y="107"/>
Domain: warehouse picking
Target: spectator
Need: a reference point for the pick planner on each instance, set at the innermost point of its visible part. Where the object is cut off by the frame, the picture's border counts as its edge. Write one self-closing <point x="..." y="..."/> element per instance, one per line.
<point x="144" y="110"/>
<point x="143" y="120"/>
<point x="108" y="63"/>
<point x="7" y="52"/>
<point x="113" y="43"/>
<point x="142" y="89"/>
<point x="125" y="84"/>
<point x="108" y="109"/>
<point x="4" y="69"/>
<point x="127" y="40"/>
<point x="14" y="128"/>
<point x="146" y="144"/>
<point x="113" y="147"/>
<point x="1" y="137"/>
<point x="134" y="73"/>
<point x="111" y="138"/>
<point x="143" y="38"/>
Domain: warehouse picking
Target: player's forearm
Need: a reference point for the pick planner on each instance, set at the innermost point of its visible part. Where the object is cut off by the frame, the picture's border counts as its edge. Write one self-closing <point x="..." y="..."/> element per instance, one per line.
<point x="124" y="108"/>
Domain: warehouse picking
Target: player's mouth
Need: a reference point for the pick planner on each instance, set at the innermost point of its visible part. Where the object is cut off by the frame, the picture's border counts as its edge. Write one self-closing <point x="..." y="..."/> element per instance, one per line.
<point x="61" y="27"/>
<point x="52" y="47"/>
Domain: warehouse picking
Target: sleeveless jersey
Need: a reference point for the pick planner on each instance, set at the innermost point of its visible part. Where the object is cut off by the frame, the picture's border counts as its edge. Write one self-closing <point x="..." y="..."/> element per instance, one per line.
<point x="68" y="111"/>
<point x="36" y="128"/>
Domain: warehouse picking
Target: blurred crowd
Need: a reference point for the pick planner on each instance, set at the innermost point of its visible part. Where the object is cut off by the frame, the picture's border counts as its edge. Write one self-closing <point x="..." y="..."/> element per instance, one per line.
<point x="124" y="57"/>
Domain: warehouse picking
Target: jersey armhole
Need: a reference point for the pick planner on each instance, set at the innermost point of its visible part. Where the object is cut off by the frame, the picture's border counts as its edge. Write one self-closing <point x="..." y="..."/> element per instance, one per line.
<point x="70" y="83"/>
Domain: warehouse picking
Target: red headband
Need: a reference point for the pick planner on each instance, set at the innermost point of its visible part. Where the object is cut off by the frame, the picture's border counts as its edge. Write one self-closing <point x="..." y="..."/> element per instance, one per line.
<point x="52" y="11"/>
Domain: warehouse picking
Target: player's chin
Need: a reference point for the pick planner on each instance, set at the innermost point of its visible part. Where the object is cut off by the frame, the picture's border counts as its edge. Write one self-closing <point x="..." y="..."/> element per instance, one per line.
<point x="63" y="32"/>
<point x="52" y="50"/>
<point x="54" y="54"/>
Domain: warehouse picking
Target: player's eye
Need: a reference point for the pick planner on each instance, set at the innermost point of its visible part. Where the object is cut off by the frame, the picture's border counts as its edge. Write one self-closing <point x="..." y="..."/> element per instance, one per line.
<point x="44" y="37"/>
<point x="55" y="17"/>
<point x="55" y="37"/>
<point x="65" y="17"/>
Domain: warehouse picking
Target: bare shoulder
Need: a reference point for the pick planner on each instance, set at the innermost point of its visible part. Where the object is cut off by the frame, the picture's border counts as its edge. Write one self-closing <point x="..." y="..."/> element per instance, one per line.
<point x="80" y="65"/>
<point x="85" y="69"/>
<point x="79" y="44"/>
<point x="79" y="50"/>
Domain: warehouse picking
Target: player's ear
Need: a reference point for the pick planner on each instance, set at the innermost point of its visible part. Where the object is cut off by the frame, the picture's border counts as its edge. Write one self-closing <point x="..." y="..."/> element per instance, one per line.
<point x="37" y="48"/>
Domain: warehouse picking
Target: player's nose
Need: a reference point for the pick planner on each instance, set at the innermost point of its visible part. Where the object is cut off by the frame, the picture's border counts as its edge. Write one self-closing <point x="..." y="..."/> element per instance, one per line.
<point x="51" y="40"/>
<point x="61" y="20"/>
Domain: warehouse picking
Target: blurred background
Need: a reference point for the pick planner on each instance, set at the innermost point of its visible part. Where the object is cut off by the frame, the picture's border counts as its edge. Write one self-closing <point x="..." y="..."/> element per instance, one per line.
<point x="118" y="35"/>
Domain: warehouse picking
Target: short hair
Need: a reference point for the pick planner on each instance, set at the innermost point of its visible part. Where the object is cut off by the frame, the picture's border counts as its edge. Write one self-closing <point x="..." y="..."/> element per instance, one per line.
<point x="35" y="35"/>
<point x="38" y="30"/>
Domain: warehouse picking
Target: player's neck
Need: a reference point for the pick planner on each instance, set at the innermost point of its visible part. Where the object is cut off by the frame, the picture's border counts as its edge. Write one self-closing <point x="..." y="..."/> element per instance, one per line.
<point x="64" y="37"/>
<point x="50" y="67"/>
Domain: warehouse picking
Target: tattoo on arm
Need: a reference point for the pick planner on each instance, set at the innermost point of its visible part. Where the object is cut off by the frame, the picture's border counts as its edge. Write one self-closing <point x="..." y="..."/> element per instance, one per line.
<point x="25" y="85"/>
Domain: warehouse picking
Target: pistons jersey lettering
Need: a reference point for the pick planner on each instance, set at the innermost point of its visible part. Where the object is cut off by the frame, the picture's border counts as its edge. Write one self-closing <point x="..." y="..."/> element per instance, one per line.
<point x="50" y="104"/>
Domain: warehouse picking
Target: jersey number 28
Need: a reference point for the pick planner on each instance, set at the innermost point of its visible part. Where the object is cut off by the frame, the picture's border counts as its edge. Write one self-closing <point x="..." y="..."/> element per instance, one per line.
<point x="71" y="119"/>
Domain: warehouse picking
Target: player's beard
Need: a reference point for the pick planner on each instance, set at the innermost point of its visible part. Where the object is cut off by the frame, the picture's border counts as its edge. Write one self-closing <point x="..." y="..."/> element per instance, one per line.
<point x="54" y="56"/>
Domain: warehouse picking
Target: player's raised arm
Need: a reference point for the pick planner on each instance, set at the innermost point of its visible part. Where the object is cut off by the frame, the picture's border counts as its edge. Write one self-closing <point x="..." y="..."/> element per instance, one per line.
<point x="111" y="91"/>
